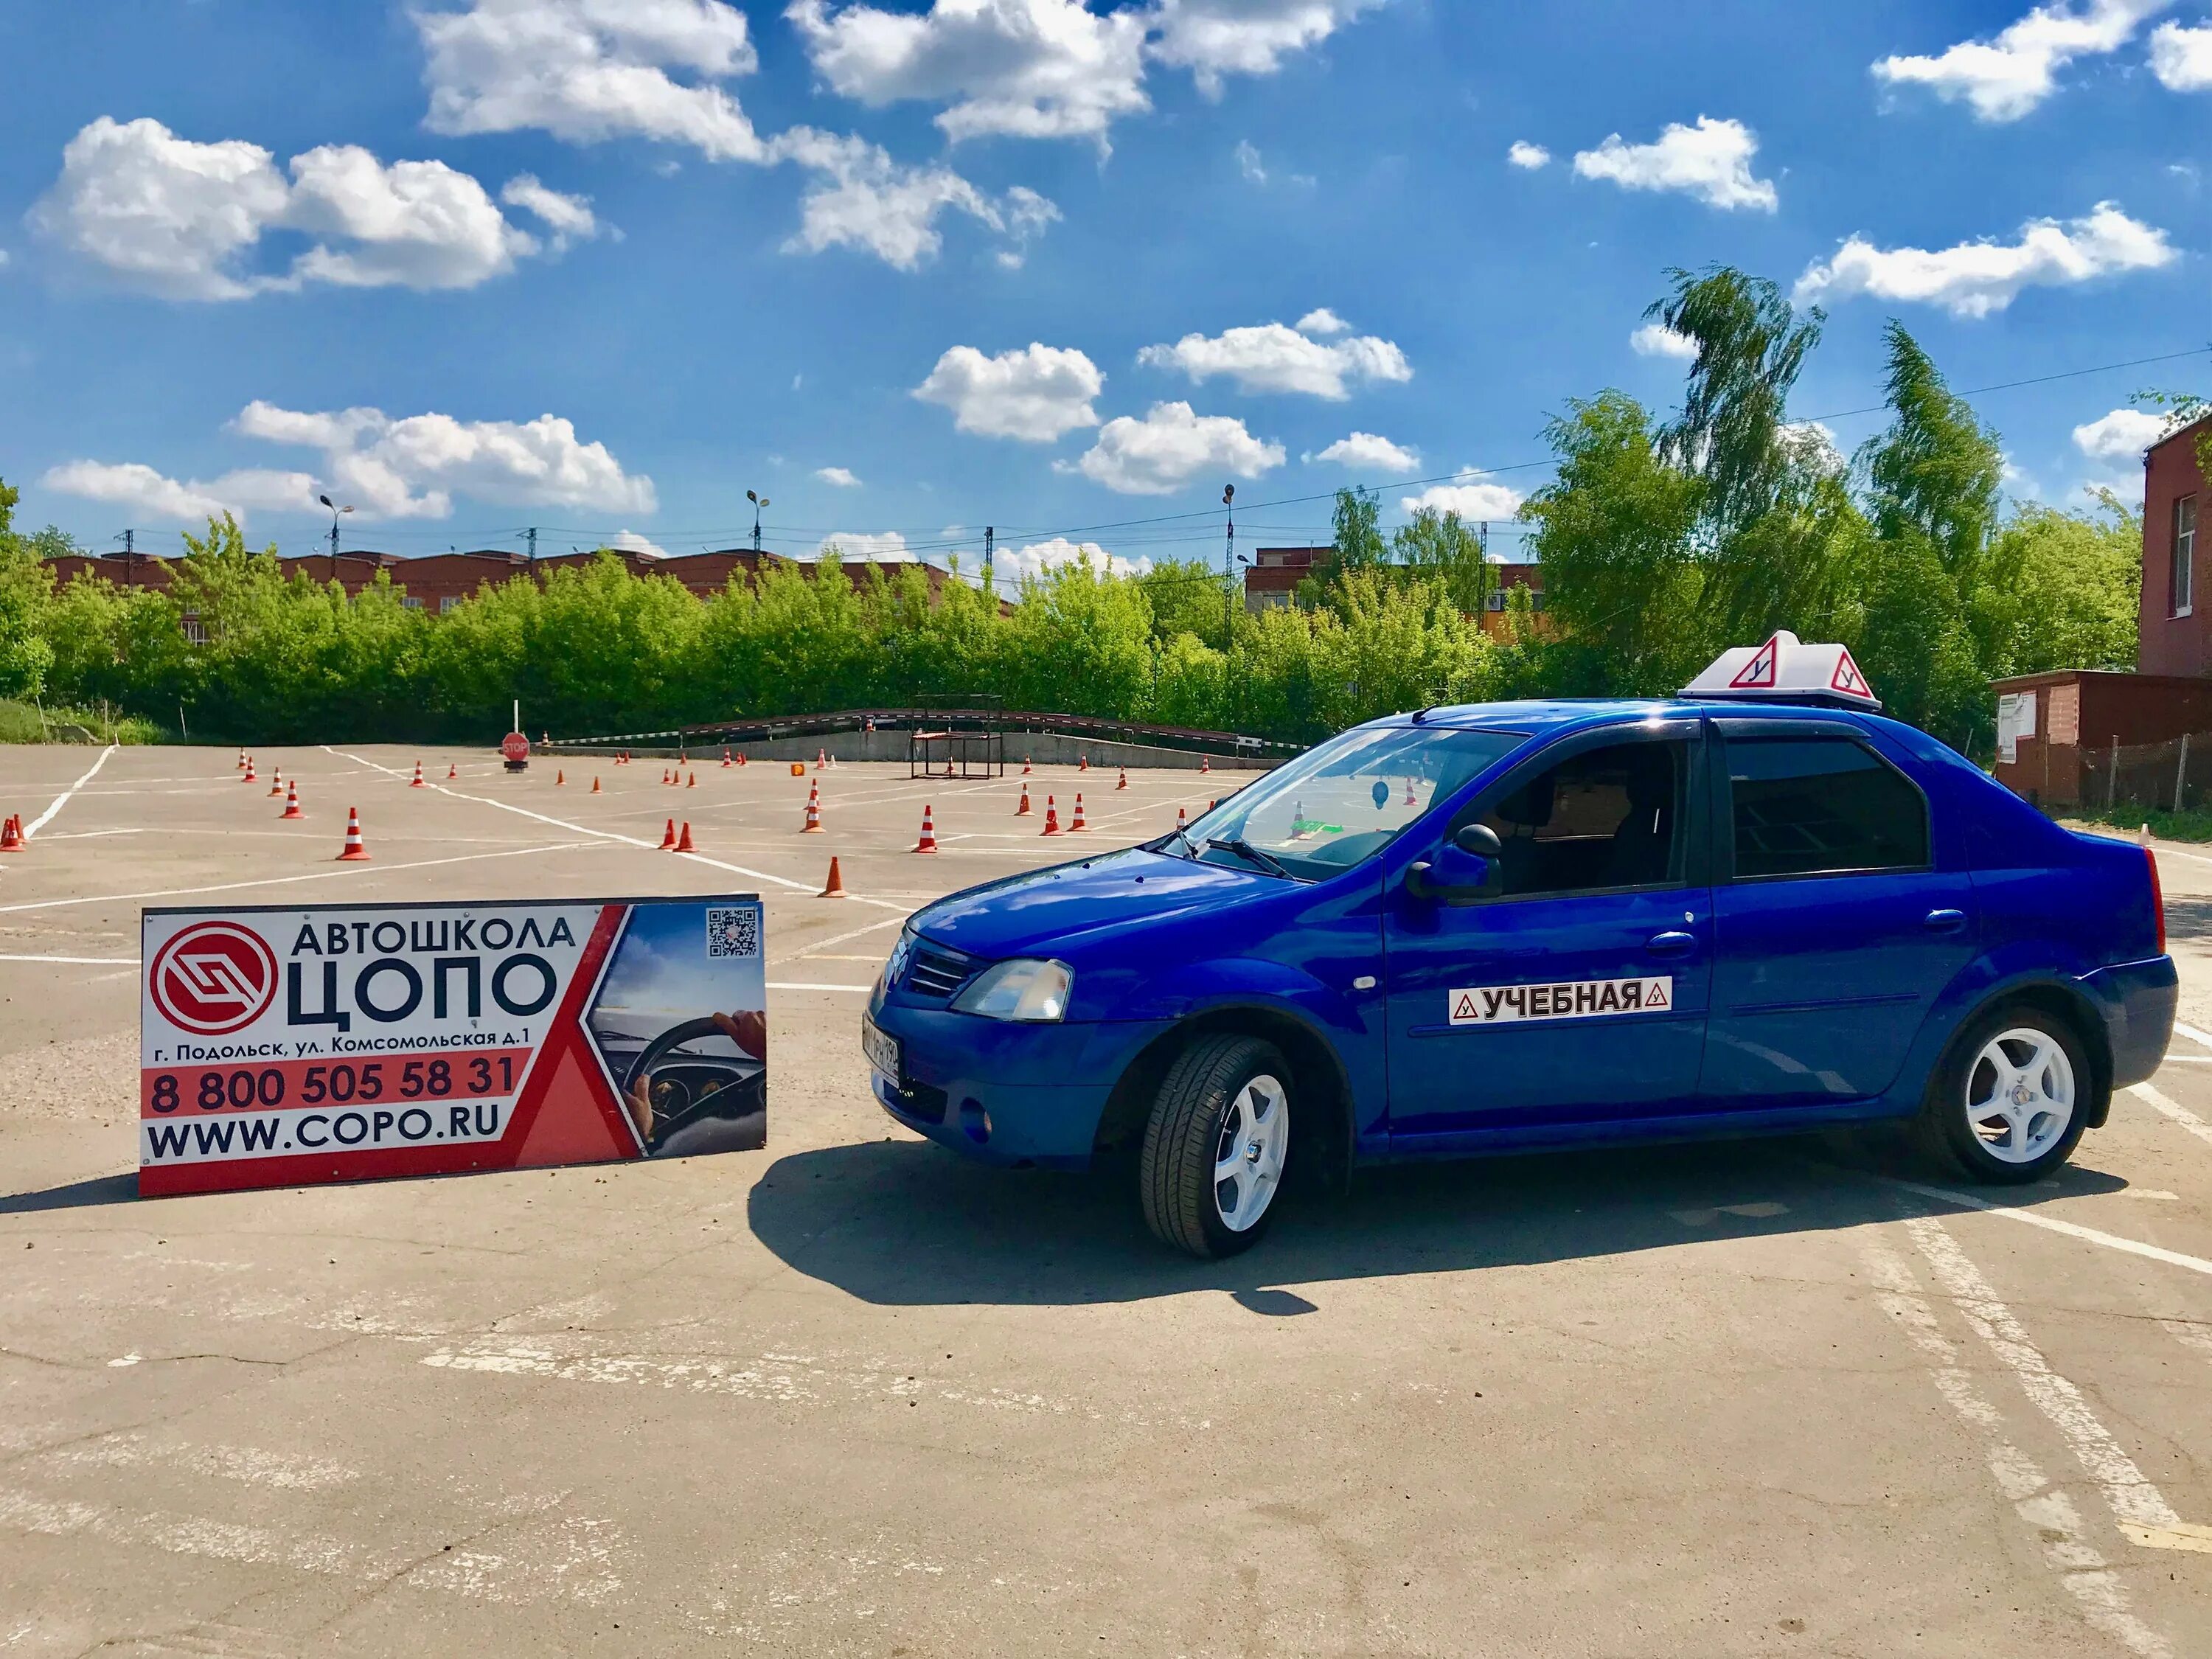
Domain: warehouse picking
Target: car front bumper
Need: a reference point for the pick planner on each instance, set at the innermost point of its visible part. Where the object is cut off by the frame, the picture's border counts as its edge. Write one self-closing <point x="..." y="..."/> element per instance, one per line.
<point x="1004" y="1092"/>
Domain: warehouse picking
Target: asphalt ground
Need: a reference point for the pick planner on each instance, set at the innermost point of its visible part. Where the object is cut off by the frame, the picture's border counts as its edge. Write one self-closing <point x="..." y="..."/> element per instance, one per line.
<point x="849" y="1395"/>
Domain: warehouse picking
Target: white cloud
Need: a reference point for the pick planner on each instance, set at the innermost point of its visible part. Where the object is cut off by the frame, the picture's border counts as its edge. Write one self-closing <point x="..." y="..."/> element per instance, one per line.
<point x="2120" y="437"/>
<point x="411" y="468"/>
<point x="2181" y="57"/>
<point x="1322" y="323"/>
<point x="860" y="198"/>
<point x="2005" y="77"/>
<point x="841" y="476"/>
<point x="1977" y="278"/>
<point x="1029" y="69"/>
<point x="1035" y="394"/>
<point x="591" y="69"/>
<point x="1028" y="562"/>
<point x="144" y="491"/>
<point x="1247" y="162"/>
<point x="1523" y="154"/>
<point x="1367" y="451"/>
<point x="1050" y="68"/>
<point x="1171" y="446"/>
<point x="1477" y="503"/>
<point x="854" y="547"/>
<point x="629" y="541"/>
<point x="1657" y="340"/>
<point x="1710" y="162"/>
<point x="1272" y="358"/>
<point x="1214" y="38"/>
<point x="182" y="219"/>
<point x="569" y="218"/>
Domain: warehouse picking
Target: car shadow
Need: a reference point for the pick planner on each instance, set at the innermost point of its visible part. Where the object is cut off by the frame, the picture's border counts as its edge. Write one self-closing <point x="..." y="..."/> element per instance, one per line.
<point x="903" y="1223"/>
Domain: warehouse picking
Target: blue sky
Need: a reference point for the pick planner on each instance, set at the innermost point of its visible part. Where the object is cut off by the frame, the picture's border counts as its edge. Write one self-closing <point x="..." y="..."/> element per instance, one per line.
<point x="601" y="265"/>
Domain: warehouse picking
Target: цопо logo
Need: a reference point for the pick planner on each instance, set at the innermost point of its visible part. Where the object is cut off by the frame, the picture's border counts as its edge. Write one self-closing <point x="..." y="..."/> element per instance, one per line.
<point x="214" y="978"/>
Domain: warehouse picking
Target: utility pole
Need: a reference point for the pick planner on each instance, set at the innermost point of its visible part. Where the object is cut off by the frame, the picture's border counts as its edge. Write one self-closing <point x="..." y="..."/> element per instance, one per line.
<point x="1229" y="568"/>
<point x="533" y="543"/>
<point x="990" y="540"/>
<point x="335" y="511"/>
<point x="759" y="502"/>
<point x="130" y="558"/>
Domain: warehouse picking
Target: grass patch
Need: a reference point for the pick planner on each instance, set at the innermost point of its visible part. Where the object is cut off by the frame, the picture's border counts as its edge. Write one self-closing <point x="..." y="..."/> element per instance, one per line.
<point x="2194" y="823"/>
<point x="23" y="722"/>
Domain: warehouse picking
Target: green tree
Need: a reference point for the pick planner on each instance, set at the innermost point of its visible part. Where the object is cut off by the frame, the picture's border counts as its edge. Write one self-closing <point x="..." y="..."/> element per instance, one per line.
<point x="1442" y="546"/>
<point x="1935" y="472"/>
<point x="25" y="598"/>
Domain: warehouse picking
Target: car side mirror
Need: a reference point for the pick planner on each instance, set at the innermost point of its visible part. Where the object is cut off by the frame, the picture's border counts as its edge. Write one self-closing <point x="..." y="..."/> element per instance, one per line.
<point x="1480" y="840"/>
<point x="1459" y="872"/>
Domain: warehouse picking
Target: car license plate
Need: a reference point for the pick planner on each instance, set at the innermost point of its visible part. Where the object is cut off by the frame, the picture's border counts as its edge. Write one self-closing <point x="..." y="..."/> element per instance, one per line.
<point x="881" y="1049"/>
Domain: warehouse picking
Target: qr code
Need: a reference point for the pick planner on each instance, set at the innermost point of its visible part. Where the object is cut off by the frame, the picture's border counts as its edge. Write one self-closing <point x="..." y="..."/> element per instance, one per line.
<point x="733" y="933"/>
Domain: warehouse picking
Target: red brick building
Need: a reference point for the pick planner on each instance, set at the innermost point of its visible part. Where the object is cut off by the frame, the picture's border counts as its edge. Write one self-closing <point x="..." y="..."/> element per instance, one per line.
<point x="1274" y="573"/>
<point x="2174" y="632"/>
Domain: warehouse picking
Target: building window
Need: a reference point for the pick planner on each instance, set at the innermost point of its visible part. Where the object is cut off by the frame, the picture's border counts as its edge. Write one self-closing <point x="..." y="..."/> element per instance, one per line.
<point x="2184" y="554"/>
<point x="195" y="631"/>
<point x="448" y="603"/>
<point x="411" y="602"/>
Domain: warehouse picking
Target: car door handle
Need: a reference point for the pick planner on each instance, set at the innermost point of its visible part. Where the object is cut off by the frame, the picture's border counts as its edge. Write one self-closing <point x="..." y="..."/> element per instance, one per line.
<point x="1675" y="944"/>
<point x="1945" y="921"/>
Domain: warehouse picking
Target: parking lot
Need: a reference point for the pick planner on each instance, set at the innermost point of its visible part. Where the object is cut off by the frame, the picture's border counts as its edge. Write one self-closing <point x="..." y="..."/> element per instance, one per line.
<point x="850" y="1395"/>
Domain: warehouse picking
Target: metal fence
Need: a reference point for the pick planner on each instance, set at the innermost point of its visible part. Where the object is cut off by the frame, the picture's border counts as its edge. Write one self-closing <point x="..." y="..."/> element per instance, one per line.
<point x="2173" y="775"/>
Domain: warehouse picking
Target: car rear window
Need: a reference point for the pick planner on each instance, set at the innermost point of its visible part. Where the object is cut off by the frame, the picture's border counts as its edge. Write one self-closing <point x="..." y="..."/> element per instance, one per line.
<point x="1806" y="806"/>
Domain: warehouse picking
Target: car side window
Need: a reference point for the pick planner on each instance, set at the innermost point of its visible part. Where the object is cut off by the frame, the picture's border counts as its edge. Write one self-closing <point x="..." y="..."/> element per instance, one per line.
<point x="1806" y="806"/>
<point x="1606" y="818"/>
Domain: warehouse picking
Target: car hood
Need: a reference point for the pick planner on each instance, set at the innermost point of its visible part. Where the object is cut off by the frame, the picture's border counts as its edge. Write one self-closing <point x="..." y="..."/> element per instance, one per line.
<point x="1051" y="911"/>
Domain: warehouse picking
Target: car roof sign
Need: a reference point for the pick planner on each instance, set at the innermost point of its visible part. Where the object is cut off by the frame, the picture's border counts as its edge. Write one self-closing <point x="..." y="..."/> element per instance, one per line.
<point x="1785" y="669"/>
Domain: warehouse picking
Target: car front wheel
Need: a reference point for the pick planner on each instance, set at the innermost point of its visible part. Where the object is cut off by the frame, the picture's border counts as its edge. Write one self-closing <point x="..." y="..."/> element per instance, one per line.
<point x="2011" y="1098"/>
<point x="1216" y="1145"/>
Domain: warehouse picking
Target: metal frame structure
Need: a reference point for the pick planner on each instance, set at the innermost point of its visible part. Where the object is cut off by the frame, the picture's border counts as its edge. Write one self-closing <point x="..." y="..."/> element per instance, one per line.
<point x="944" y="753"/>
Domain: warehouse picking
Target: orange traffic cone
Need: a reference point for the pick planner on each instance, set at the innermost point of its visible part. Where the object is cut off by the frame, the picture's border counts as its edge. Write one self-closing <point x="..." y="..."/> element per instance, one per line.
<point x="668" y="838"/>
<point x="1051" y="818"/>
<point x="1026" y="768"/>
<point x="275" y="782"/>
<point x="834" y="887"/>
<point x="928" y="842"/>
<point x="741" y="757"/>
<point x="691" y="780"/>
<point x="595" y="785"/>
<point x="1077" y="823"/>
<point x="821" y="759"/>
<point x="453" y="771"/>
<point x="292" y="803"/>
<point x="1411" y="799"/>
<point x="727" y="761"/>
<point x="1023" y="810"/>
<point x="1082" y="762"/>
<point x="813" y="824"/>
<point x="249" y="777"/>
<point x="560" y="778"/>
<point x="1124" y="784"/>
<point x="242" y="760"/>
<point x="417" y="782"/>
<point x="356" y="850"/>
<point x="664" y="777"/>
<point x="11" y="834"/>
<point x="1181" y="823"/>
<point x="683" y="838"/>
<point x="1205" y="762"/>
<point x="683" y="757"/>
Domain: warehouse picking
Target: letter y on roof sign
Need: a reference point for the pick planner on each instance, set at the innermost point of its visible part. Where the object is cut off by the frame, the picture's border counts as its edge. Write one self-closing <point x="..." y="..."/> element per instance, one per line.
<point x="1786" y="670"/>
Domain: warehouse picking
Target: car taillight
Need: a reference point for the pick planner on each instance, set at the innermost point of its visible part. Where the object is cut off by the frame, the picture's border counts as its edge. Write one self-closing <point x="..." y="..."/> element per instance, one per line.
<point x="2157" y="897"/>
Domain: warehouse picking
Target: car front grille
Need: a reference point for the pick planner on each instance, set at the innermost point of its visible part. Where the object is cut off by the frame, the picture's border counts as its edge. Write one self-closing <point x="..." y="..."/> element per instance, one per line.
<point x="936" y="972"/>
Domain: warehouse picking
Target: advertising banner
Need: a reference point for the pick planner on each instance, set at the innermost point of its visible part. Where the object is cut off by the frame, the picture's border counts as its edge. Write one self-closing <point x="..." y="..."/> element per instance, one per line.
<point x="282" y="1046"/>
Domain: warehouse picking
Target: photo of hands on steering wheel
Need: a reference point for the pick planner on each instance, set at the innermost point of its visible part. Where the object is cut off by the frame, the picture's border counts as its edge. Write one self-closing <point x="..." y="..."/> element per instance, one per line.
<point x="681" y="1020"/>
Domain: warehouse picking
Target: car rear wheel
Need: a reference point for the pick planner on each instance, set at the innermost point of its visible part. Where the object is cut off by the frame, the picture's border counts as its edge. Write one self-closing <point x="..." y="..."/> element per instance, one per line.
<point x="2012" y="1097"/>
<point x="1216" y="1145"/>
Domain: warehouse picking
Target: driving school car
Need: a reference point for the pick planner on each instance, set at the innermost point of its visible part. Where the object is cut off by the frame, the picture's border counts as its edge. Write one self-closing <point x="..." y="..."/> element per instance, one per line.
<point x="1759" y="908"/>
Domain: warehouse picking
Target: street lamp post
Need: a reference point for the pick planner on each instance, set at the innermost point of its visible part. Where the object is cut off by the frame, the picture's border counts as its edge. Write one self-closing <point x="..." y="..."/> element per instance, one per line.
<point x="759" y="502"/>
<point x="335" y="510"/>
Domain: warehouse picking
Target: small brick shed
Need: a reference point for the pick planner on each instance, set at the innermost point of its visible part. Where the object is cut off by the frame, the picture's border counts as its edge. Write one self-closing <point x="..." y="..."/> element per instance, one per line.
<point x="2080" y="713"/>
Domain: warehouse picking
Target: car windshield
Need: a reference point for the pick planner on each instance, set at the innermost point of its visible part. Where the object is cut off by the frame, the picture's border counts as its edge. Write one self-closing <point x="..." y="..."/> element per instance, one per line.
<point x="1336" y="804"/>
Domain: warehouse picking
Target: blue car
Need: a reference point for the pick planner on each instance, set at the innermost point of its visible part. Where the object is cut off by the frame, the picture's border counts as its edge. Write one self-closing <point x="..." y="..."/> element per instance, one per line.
<point x="1509" y="926"/>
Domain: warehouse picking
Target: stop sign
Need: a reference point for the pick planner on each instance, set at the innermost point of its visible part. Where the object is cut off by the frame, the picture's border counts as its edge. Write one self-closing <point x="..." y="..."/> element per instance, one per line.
<point x="514" y="746"/>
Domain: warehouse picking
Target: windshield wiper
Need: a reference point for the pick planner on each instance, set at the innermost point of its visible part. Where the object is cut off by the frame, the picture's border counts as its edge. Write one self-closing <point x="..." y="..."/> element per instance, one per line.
<point x="1183" y="835"/>
<point x="1243" y="848"/>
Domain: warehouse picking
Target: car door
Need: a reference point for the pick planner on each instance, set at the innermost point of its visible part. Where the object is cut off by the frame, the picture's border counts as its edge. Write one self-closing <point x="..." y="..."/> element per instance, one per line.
<point x="1833" y="930"/>
<point x="1572" y="986"/>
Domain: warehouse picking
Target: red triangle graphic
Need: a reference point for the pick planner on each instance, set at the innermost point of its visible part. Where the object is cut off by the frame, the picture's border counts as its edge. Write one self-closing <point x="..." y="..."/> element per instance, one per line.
<point x="1657" y="996"/>
<point x="1847" y="676"/>
<point x="1758" y="674"/>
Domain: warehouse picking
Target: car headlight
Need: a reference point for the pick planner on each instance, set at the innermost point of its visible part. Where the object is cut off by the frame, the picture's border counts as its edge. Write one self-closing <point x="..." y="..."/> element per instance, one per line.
<point x="1024" y="989"/>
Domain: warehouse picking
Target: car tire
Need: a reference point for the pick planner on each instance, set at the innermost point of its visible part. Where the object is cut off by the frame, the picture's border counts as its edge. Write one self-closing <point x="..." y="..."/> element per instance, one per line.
<point x="2006" y="1133"/>
<point x="1216" y="1145"/>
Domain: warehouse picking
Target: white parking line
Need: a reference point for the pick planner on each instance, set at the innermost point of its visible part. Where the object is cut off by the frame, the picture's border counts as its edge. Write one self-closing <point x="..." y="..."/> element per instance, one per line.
<point x="2193" y="1034"/>
<point x="841" y="938"/>
<point x="2049" y="1511"/>
<point x="62" y="799"/>
<point x="2174" y="1109"/>
<point x="608" y="835"/>
<point x="359" y="871"/>
<point x="2140" y="1508"/>
<point x="79" y="962"/>
<point x="806" y="985"/>
<point x="2052" y="1223"/>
